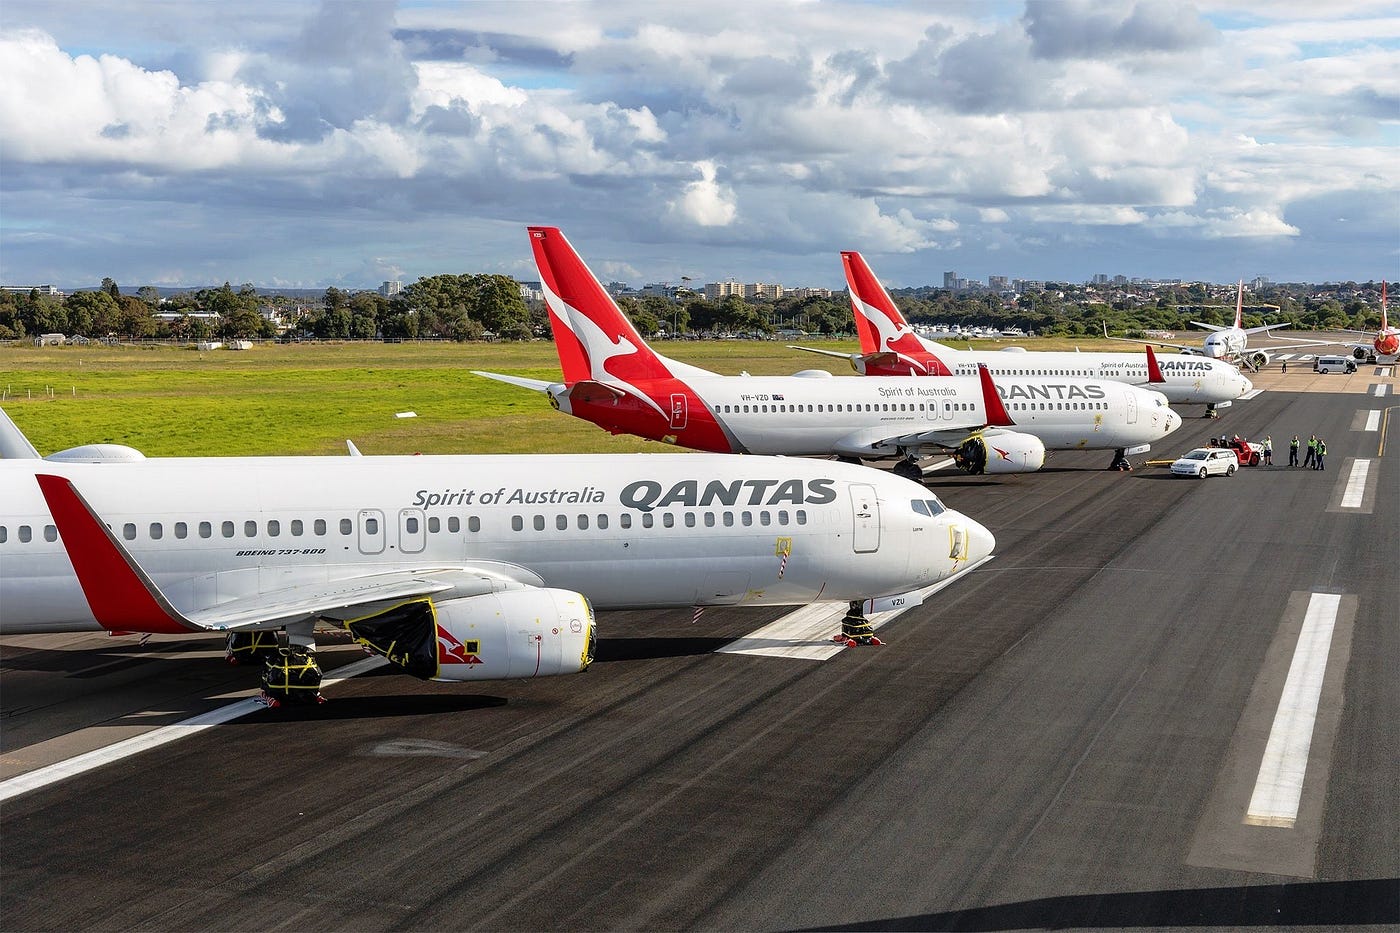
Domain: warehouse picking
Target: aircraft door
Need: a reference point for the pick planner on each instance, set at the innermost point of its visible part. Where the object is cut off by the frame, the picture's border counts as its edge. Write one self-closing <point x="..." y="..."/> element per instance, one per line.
<point x="1132" y="407"/>
<point x="865" y="510"/>
<point x="412" y="533"/>
<point x="371" y="531"/>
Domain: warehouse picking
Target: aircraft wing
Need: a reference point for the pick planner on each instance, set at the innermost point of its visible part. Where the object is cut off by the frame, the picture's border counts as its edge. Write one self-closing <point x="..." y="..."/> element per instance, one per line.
<point x="123" y="597"/>
<point x="1188" y="347"/>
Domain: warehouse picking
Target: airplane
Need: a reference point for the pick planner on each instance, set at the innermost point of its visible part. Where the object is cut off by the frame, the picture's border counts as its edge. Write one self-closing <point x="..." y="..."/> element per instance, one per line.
<point x="1385" y="345"/>
<point x="615" y="380"/>
<point x="455" y="568"/>
<point x="889" y="347"/>
<point x="1231" y="343"/>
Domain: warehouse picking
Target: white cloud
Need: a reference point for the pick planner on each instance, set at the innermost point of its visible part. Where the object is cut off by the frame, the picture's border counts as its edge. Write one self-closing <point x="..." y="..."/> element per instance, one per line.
<point x="705" y="203"/>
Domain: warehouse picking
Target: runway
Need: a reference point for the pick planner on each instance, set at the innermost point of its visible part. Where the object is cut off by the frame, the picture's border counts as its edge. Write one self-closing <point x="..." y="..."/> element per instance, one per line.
<point x="1074" y="735"/>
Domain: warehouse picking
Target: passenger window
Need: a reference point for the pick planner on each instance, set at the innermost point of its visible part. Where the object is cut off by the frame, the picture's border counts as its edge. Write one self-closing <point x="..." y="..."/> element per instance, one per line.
<point x="250" y="529"/>
<point x="346" y="526"/>
<point x="709" y="519"/>
<point x="729" y="519"/>
<point x="690" y="519"/>
<point x="50" y="533"/>
<point x="296" y="528"/>
<point x="454" y="524"/>
<point x="539" y="523"/>
<point x="473" y="524"/>
<point x="206" y="530"/>
<point x="157" y="532"/>
<point x="410" y="525"/>
<point x="319" y="526"/>
<point x="782" y="516"/>
<point x="434" y="524"/>
<point x="764" y="518"/>
<point x="274" y="528"/>
<point x="372" y="526"/>
<point x="602" y="522"/>
<point x="746" y="517"/>
<point x="26" y="534"/>
<point x="561" y="522"/>
<point x="801" y="516"/>
<point x="583" y="522"/>
<point x="647" y="520"/>
<point x="517" y="523"/>
<point x="625" y="520"/>
<point x="128" y="532"/>
<point x="181" y="530"/>
<point x="4" y="534"/>
<point x="668" y="520"/>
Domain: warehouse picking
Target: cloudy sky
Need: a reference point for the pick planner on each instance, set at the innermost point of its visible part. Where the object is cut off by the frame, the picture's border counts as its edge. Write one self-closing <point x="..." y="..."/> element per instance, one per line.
<point x="309" y="144"/>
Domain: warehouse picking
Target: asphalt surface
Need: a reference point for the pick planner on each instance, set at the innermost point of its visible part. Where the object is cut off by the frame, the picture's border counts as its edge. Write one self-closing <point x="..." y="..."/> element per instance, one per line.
<point x="1068" y="737"/>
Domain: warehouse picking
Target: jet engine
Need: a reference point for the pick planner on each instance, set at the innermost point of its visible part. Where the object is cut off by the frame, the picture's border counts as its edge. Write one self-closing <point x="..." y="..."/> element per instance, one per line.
<point x="1258" y="359"/>
<point x="495" y="636"/>
<point x="1002" y="452"/>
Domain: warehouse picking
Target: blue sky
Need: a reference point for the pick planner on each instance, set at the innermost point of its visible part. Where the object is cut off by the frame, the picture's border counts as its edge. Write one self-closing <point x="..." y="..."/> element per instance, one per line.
<point x="310" y="144"/>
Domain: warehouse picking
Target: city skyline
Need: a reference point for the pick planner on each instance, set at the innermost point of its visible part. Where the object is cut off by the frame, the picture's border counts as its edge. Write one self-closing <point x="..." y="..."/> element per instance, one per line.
<point x="307" y="145"/>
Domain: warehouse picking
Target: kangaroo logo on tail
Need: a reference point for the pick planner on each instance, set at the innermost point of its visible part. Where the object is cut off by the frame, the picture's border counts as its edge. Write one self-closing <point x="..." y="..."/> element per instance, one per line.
<point x="881" y="326"/>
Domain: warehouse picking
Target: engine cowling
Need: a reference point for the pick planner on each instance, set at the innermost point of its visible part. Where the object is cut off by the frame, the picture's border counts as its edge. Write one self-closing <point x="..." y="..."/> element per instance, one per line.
<point x="1002" y="452"/>
<point x="1259" y="359"/>
<point x="535" y="632"/>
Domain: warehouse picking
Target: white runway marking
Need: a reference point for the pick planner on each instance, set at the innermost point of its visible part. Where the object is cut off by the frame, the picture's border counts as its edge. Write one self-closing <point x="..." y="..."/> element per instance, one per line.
<point x="1373" y="421"/>
<point x="806" y="633"/>
<point x="1379" y="389"/>
<point x="1250" y="394"/>
<point x="1279" y="786"/>
<point x="62" y="770"/>
<point x="1355" y="490"/>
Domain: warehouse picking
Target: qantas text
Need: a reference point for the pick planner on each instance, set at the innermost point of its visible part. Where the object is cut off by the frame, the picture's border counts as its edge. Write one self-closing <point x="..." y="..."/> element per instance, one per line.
<point x="648" y="494"/>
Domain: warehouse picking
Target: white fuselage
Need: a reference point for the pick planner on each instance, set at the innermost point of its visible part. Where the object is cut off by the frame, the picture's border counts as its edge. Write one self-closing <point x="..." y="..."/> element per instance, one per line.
<point x="1189" y="379"/>
<point x="625" y="530"/>
<point x="801" y="415"/>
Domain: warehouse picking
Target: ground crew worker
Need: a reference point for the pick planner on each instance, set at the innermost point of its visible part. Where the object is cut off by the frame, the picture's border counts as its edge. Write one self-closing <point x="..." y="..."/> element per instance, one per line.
<point x="1293" y="451"/>
<point x="1311" y="459"/>
<point x="1268" y="450"/>
<point x="1321" y="452"/>
<point x="1285" y="365"/>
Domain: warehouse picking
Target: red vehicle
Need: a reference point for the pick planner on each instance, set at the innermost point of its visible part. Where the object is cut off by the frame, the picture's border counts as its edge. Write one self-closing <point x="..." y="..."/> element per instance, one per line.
<point x="1248" y="453"/>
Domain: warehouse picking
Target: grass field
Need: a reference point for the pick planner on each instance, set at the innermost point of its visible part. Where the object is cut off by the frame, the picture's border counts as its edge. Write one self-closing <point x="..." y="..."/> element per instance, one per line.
<point x="309" y="398"/>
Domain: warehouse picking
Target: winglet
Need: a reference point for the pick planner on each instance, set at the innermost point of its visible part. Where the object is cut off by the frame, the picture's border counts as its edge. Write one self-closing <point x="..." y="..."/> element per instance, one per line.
<point x="991" y="401"/>
<point x="1154" y="371"/>
<point x="118" y="592"/>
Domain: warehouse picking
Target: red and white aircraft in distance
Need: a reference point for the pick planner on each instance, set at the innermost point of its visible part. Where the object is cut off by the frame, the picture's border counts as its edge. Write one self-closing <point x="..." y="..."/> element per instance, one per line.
<point x="890" y="347"/>
<point x="1231" y="343"/>
<point x="456" y="568"/>
<point x="1385" y="345"/>
<point x="615" y="380"/>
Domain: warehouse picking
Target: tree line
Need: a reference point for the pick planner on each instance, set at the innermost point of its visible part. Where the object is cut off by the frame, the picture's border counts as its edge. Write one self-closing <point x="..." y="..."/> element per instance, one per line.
<point x="477" y="306"/>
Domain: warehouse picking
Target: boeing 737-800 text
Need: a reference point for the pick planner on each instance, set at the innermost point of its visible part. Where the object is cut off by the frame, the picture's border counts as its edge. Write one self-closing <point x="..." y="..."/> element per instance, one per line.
<point x="455" y="568"/>
<point x="889" y="347"/>
<point x="615" y="380"/>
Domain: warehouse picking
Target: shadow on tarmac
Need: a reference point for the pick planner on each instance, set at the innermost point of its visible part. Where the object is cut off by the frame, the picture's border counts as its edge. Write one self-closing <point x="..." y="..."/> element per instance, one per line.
<point x="1292" y="904"/>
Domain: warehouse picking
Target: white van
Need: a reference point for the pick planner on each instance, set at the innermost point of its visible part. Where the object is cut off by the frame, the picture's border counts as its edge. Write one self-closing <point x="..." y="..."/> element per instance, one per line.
<point x="1334" y="364"/>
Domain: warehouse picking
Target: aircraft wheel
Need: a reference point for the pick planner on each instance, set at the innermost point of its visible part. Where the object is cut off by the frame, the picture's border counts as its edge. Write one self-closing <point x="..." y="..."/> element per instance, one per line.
<point x="292" y="677"/>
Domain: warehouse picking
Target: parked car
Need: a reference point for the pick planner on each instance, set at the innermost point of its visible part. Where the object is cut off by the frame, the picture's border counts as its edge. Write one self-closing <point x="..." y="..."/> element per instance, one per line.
<point x="1334" y="364"/>
<point x="1204" y="461"/>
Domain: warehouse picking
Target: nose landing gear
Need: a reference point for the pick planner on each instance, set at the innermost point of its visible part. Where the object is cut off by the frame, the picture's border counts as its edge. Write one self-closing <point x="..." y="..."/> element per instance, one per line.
<point x="855" y="627"/>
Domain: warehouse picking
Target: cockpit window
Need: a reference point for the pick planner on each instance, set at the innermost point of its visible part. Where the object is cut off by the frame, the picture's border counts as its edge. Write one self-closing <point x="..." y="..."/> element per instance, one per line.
<point x="919" y="507"/>
<point x="935" y="507"/>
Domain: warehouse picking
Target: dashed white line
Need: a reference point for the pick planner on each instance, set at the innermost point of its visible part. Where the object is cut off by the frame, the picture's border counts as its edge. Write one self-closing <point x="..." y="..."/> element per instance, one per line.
<point x="1373" y="421"/>
<point x="62" y="770"/>
<point x="1279" y="787"/>
<point x="1379" y="389"/>
<point x="1355" y="490"/>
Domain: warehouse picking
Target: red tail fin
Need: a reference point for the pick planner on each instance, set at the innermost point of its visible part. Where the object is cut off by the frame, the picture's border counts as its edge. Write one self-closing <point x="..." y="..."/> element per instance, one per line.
<point x="879" y="322"/>
<point x="118" y="592"/>
<point x="996" y="411"/>
<point x="1154" y="371"/>
<point x="594" y="338"/>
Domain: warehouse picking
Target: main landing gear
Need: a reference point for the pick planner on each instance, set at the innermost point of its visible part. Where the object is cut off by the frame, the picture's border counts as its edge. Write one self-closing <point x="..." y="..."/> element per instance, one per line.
<point x="908" y="468"/>
<point x="291" y="676"/>
<point x="855" y="627"/>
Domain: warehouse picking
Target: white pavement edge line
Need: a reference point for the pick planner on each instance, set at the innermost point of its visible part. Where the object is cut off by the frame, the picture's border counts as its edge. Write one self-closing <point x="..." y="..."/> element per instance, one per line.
<point x="62" y="770"/>
<point x="1355" y="492"/>
<point x="1279" y="786"/>
<point x="1373" y="420"/>
<point x="791" y="636"/>
<point x="1252" y="393"/>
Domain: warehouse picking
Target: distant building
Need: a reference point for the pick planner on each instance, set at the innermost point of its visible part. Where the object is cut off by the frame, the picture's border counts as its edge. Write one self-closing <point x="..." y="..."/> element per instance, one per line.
<point x="1099" y="279"/>
<point x="763" y="290"/>
<point x="26" y="289"/>
<point x="998" y="283"/>
<point x="531" y="291"/>
<point x="724" y="289"/>
<point x="950" y="280"/>
<point x="390" y="289"/>
<point x="807" y="292"/>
